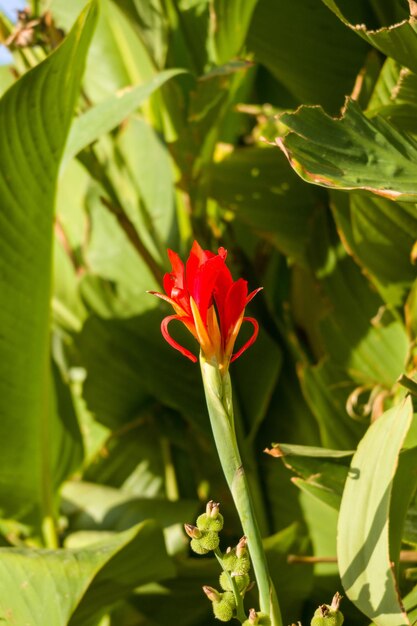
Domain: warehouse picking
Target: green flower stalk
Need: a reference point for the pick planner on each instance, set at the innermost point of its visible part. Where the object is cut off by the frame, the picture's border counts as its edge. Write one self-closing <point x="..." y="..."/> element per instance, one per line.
<point x="211" y="305"/>
<point x="219" y="402"/>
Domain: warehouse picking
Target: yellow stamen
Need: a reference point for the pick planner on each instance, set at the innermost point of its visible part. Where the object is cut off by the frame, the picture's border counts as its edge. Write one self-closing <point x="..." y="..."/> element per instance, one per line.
<point x="202" y="335"/>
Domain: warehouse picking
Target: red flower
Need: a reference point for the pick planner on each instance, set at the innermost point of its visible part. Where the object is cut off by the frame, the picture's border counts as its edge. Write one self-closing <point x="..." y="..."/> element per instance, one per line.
<point x="209" y="303"/>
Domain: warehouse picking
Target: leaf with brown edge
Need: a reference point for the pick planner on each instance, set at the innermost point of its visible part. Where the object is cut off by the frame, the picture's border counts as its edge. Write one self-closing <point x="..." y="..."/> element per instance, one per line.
<point x="351" y="152"/>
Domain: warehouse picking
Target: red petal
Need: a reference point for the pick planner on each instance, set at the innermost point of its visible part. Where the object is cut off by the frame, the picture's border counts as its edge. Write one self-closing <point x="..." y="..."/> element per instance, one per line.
<point x="234" y="306"/>
<point x="171" y="341"/>
<point x="204" y="283"/>
<point x="250" y="341"/>
<point x="177" y="306"/>
<point x="253" y="294"/>
<point x="177" y="268"/>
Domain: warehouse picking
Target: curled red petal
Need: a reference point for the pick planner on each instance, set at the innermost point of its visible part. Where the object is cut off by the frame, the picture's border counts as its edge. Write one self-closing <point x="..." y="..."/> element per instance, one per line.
<point x="253" y="294"/>
<point x="250" y="341"/>
<point x="171" y="341"/>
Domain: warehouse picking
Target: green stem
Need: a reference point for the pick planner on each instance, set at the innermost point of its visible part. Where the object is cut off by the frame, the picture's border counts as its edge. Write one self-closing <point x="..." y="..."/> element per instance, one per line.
<point x="240" y="610"/>
<point x="219" y="402"/>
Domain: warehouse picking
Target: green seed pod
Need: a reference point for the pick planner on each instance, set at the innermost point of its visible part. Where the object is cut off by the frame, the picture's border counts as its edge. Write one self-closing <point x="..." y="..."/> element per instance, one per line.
<point x="203" y="522"/>
<point x="241" y="582"/>
<point x="215" y="524"/>
<point x="197" y="546"/>
<point x="229" y="561"/>
<point x="209" y="540"/>
<point x="224" y="608"/>
<point x="329" y="614"/>
<point x="242" y="565"/>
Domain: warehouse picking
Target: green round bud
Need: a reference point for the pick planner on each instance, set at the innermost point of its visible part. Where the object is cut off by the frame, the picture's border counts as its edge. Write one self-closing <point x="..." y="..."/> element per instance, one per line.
<point x="203" y="522"/>
<point x="224" y="609"/>
<point x="197" y="546"/>
<point x="229" y="561"/>
<point x="242" y="565"/>
<point x="209" y="540"/>
<point x="241" y="581"/>
<point x="326" y="616"/>
<point x="215" y="524"/>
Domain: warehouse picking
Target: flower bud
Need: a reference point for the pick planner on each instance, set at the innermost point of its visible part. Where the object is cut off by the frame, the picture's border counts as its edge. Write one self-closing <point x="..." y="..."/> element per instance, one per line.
<point x="241" y="566"/>
<point x="212" y="594"/>
<point x="192" y="531"/>
<point x="241" y="549"/>
<point x="257" y="619"/>
<point x="224" y="608"/>
<point x="329" y="615"/>
<point x="212" y="518"/>
<point x="232" y="562"/>
<point x="197" y="547"/>
<point x="229" y="560"/>
<point x="241" y="582"/>
<point x="209" y="540"/>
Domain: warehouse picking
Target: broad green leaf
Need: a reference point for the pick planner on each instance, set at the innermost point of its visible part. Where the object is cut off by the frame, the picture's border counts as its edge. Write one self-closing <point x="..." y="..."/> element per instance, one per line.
<point x="128" y="362"/>
<point x="108" y="114"/>
<point x="320" y="472"/>
<point x="321" y="520"/>
<point x="35" y="115"/>
<point x="395" y="97"/>
<point x="179" y="598"/>
<point x="209" y="101"/>
<point x="380" y="235"/>
<point x="362" y="337"/>
<point x="254" y="394"/>
<point x="411" y="311"/>
<point x="150" y="18"/>
<point x="327" y="388"/>
<point x="68" y="455"/>
<point x="307" y="51"/>
<point x="99" y="507"/>
<point x="398" y="41"/>
<point x="352" y="152"/>
<point x="230" y="21"/>
<point x="75" y="587"/>
<point x="117" y="57"/>
<point x="131" y="460"/>
<point x="68" y="311"/>
<point x="293" y="582"/>
<point x="111" y="256"/>
<point x="363" y="538"/>
<point x="401" y="509"/>
<point x="384" y="89"/>
<point x="256" y="186"/>
<point x="281" y="497"/>
<point x="149" y="168"/>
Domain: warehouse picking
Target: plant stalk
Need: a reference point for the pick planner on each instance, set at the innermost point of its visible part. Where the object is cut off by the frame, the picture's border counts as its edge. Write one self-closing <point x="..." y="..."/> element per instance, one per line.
<point x="218" y="394"/>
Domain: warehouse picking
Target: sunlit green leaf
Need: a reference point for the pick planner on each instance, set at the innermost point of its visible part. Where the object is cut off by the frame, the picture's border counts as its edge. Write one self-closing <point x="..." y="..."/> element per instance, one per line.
<point x="352" y="152"/>
<point x="31" y="145"/>
<point x="363" y="538"/>
<point x="75" y="587"/>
